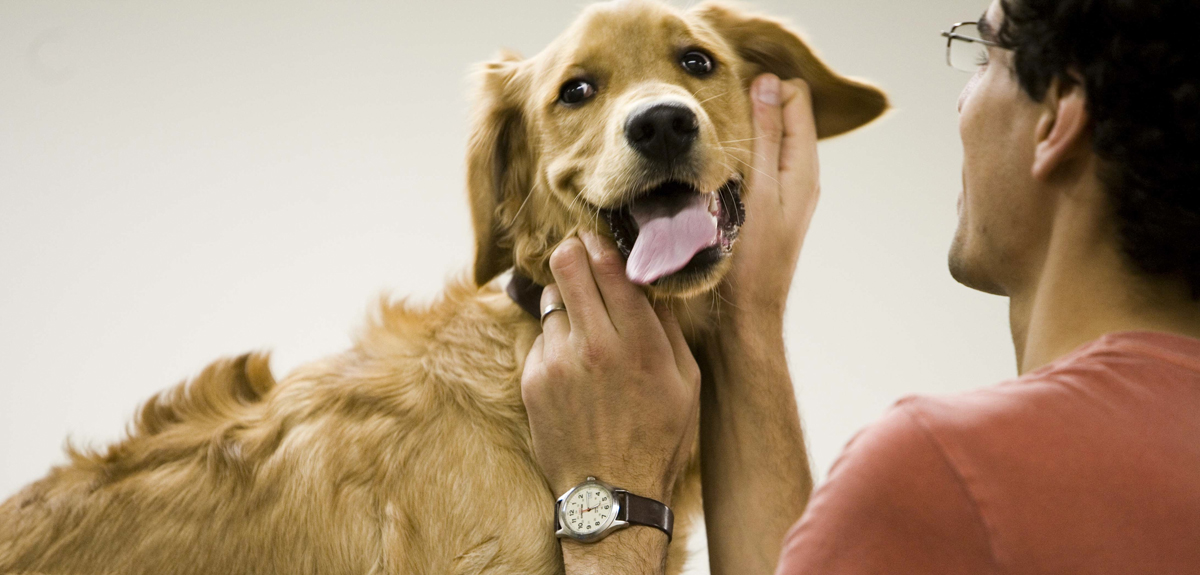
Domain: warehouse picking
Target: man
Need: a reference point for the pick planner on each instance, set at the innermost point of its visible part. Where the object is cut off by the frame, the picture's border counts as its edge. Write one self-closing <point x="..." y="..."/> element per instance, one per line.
<point x="1081" y="137"/>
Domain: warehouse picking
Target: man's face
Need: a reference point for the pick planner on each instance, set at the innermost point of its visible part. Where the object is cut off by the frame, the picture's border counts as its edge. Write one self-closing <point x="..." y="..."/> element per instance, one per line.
<point x="1001" y="217"/>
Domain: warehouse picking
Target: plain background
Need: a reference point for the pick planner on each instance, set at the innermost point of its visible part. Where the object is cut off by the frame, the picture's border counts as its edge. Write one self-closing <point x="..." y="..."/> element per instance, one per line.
<point x="190" y="179"/>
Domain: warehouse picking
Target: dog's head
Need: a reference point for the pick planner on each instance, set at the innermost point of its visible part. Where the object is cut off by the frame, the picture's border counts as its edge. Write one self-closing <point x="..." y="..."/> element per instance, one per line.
<point x="636" y="124"/>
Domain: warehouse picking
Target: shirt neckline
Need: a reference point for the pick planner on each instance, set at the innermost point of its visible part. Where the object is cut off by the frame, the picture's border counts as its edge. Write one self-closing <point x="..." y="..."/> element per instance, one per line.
<point x="1175" y="348"/>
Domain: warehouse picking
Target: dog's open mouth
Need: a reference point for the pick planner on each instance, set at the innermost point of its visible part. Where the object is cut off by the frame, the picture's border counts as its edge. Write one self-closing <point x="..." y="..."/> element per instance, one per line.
<point x="675" y="228"/>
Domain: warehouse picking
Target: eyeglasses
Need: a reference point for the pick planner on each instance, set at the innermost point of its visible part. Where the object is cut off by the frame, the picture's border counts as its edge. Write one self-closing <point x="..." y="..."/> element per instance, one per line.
<point x="970" y="52"/>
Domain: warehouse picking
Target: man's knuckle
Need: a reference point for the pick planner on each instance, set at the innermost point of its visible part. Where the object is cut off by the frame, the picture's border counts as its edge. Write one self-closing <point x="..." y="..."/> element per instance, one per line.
<point x="771" y="135"/>
<point x="554" y="371"/>
<point x="594" y="353"/>
<point x="550" y="294"/>
<point x="651" y="359"/>
<point x="567" y="256"/>
<point x="609" y="263"/>
<point x="532" y="387"/>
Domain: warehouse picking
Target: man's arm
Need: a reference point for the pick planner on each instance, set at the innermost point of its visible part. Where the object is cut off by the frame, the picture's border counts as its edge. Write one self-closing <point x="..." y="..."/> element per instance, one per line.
<point x="614" y="374"/>
<point x="756" y="477"/>
<point x="639" y="551"/>
<point x="612" y="391"/>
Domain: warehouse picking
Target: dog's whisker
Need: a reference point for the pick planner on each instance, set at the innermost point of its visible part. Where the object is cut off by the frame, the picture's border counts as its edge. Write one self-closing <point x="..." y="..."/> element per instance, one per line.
<point x="528" y="195"/>
<point x="727" y="302"/>
<point x="762" y="173"/>
<point x="711" y="97"/>
<point x="728" y="167"/>
<point x="732" y="282"/>
<point x="578" y="197"/>
<point x="741" y="140"/>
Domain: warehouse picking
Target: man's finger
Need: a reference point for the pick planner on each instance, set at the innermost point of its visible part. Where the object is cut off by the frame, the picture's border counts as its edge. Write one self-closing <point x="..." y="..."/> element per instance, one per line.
<point x="684" y="360"/>
<point x="765" y="98"/>
<point x="798" y="148"/>
<point x="627" y="306"/>
<point x="556" y="325"/>
<point x="573" y="275"/>
<point x="534" y="359"/>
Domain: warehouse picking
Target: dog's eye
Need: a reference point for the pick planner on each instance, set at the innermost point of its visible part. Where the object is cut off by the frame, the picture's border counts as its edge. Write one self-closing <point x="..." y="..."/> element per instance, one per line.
<point x="576" y="91"/>
<point x="697" y="63"/>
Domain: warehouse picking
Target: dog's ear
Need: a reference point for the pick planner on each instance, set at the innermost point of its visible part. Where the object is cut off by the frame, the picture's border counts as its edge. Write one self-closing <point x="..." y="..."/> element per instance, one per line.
<point x="499" y="163"/>
<point x="766" y="45"/>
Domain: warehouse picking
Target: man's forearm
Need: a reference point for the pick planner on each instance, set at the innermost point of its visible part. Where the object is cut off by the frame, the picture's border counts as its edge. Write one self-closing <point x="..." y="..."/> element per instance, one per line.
<point x="632" y="551"/>
<point x="756" y="476"/>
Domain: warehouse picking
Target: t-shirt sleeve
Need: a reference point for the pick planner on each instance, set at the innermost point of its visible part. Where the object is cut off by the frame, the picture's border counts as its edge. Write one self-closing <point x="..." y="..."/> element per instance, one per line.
<point x="892" y="504"/>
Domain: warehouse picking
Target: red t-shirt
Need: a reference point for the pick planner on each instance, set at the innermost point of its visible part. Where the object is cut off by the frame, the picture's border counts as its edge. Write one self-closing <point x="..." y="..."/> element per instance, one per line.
<point x="1088" y="465"/>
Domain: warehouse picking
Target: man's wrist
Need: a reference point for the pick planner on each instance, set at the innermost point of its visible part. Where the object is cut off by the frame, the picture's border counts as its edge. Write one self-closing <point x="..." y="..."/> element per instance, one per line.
<point x="752" y="311"/>
<point x="747" y="329"/>
<point x="636" y="550"/>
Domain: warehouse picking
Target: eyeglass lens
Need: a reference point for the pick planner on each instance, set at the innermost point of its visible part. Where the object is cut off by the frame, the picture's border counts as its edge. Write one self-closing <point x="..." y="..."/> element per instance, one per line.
<point x="964" y="55"/>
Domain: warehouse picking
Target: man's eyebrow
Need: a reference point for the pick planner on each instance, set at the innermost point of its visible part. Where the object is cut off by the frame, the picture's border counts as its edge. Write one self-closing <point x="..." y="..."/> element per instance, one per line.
<point x="985" y="28"/>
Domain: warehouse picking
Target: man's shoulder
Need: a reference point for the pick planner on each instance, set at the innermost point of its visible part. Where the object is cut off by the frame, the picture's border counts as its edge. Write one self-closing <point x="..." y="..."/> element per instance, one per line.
<point x="891" y="502"/>
<point x="947" y="484"/>
<point x="1116" y="378"/>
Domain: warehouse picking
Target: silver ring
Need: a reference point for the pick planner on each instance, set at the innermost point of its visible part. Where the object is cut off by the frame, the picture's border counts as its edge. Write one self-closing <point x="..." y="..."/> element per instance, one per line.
<point x="546" y="311"/>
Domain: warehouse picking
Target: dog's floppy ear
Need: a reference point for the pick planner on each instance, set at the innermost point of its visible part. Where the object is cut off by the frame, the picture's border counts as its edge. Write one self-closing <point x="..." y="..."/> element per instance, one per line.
<point x="766" y="45"/>
<point x="499" y="164"/>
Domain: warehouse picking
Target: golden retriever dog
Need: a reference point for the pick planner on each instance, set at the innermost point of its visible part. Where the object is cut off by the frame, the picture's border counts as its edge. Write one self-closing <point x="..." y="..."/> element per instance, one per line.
<point x="410" y="452"/>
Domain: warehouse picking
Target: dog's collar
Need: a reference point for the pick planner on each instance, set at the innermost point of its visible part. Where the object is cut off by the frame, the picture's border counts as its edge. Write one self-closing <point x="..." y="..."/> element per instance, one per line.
<point x="526" y="293"/>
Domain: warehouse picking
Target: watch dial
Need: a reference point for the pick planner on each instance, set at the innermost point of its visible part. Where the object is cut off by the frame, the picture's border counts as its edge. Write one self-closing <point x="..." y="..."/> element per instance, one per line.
<point x="588" y="510"/>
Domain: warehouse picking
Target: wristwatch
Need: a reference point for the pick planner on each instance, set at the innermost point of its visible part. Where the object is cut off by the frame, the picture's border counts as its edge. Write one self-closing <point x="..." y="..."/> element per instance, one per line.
<point x="593" y="509"/>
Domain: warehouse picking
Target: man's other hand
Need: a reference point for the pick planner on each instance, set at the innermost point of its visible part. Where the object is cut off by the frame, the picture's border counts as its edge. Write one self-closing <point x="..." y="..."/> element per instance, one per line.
<point x="611" y="388"/>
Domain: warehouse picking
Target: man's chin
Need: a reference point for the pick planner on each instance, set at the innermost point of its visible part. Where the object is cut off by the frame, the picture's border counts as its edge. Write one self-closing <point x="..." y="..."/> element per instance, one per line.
<point x="967" y="271"/>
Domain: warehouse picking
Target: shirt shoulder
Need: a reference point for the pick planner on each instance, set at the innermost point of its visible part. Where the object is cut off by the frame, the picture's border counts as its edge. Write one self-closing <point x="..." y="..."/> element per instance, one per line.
<point x="893" y="503"/>
<point x="962" y="483"/>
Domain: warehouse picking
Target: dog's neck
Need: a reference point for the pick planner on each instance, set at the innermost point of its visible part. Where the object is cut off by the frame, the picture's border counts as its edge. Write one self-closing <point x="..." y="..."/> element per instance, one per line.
<point x="526" y="293"/>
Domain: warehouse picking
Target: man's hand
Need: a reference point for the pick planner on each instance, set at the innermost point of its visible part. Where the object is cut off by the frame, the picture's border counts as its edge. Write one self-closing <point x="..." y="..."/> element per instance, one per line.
<point x="784" y="187"/>
<point x="611" y="388"/>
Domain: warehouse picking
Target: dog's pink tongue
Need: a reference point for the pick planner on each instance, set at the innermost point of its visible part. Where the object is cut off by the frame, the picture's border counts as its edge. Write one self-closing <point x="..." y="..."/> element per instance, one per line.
<point x="668" y="238"/>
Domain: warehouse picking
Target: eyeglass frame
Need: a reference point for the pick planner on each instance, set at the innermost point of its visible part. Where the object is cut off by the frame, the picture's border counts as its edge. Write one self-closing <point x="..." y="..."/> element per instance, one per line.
<point x="950" y="37"/>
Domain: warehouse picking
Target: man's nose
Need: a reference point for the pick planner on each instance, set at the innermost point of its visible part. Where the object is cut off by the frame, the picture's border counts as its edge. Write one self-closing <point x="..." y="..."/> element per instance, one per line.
<point x="968" y="89"/>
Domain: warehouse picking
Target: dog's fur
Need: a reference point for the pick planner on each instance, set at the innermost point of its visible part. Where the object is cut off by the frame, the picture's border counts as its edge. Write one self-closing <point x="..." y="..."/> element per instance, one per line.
<point x="410" y="452"/>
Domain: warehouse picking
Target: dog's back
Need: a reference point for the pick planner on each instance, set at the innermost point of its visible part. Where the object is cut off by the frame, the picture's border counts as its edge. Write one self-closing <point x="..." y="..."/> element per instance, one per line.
<point x="406" y="454"/>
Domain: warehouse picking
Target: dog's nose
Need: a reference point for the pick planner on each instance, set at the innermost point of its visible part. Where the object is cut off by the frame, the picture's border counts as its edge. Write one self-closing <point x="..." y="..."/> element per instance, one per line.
<point x="662" y="132"/>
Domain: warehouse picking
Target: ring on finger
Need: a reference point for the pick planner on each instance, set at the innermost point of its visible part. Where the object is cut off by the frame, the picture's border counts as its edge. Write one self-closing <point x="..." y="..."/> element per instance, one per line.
<point x="551" y="308"/>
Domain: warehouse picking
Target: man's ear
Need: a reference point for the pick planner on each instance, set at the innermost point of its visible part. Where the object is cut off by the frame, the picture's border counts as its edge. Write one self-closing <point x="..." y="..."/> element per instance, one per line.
<point x="1063" y="128"/>
<point x="499" y="164"/>
<point x="766" y="45"/>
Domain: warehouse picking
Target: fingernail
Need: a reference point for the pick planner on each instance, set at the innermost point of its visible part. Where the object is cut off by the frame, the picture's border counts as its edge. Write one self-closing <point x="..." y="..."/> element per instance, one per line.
<point x="768" y="90"/>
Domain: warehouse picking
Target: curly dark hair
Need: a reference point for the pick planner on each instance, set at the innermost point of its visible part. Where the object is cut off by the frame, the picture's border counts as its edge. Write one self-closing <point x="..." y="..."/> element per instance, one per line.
<point x="1139" y="61"/>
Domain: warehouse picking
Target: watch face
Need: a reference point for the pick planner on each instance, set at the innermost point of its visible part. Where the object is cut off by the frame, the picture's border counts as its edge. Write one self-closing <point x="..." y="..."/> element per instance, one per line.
<point x="588" y="510"/>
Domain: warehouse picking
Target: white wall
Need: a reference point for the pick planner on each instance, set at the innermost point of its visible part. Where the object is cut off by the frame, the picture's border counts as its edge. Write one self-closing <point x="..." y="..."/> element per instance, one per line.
<point x="183" y="180"/>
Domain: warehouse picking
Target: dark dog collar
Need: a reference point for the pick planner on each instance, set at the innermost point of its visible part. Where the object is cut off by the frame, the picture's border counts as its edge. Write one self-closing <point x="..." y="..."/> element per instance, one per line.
<point x="526" y="293"/>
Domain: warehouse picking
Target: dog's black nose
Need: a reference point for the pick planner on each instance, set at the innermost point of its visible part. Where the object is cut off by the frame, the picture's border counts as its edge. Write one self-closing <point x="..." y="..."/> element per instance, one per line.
<point x="662" y="132"/>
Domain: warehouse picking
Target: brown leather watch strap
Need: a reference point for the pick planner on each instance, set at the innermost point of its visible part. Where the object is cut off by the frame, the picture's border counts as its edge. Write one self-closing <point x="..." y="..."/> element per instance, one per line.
<point x="638" y="510"/>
